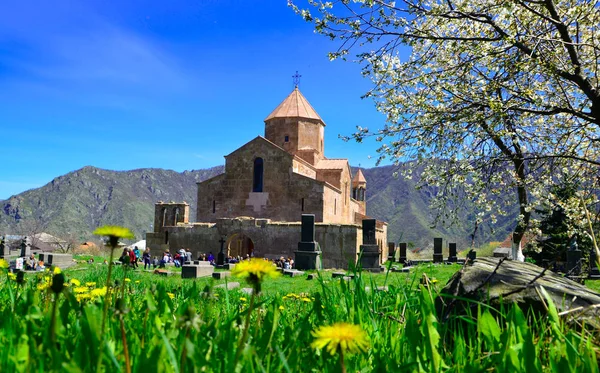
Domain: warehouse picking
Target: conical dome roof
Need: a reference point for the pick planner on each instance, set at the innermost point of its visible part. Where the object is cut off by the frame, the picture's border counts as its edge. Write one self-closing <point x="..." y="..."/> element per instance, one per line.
<point x="359" y="177"/>
<point x="294" y="106"/>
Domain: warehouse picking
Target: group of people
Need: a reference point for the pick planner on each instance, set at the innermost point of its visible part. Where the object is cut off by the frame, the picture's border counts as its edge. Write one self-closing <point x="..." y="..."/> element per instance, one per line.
<point x="285" y="263"/>
<point x="32" y="264"/>
<point x="132" y="257"/>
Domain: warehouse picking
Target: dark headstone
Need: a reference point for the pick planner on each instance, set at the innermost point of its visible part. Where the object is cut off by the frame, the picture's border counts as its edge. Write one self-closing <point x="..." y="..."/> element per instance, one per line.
<point x="308" y="228"/>
<point x="308" y="255"/>
<point x="368" y="227"/>
<point x="4" y="249"/>
<point x="438" y="256"/>
<point x="221" y="254"/>
<point x="402" y="258"/>
<point x="370" y="254"/>
<point x="472" y="255"/>
<point x="25" y="248"/>
<point x="391" y="251"/>
<point x="221" y="275"/>
<point x="452" y="258"/>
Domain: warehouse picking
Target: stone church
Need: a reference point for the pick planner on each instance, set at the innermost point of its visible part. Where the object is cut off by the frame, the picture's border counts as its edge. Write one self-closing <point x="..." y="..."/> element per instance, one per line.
<point x="254" y="207"/>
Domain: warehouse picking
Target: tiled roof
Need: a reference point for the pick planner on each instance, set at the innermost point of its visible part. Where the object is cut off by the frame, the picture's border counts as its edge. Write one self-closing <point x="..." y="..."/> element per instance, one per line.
<point x="332" y="164"/>
<point x="294" y="106"/>
<point x="359" y="177"/>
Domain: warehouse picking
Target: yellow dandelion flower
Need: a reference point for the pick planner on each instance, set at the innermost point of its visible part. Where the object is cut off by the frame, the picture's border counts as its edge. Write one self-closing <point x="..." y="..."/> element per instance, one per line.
<point x="127" y="280"/>
<point x="305" y="299"/>
<point x="171" y="295"/>
<point x="12" y="276"/>
<point x="98" y="292"/>
<point x="243" y="299"/>
<point x="80" y="289"/>
<point x="3" y="264"/>
<point x="43" y="286"/>
<point x="137" y="281"/>
<point x="56" y="270"/>
<point x="90" y="284"/>
<point x="75" y="282"/>
<point x="348" y="338"/>
<point x="81" y="297"/>
<point x="255" y="270"/>
<point x="281" y="308"/>
<point x="114" y="231"/>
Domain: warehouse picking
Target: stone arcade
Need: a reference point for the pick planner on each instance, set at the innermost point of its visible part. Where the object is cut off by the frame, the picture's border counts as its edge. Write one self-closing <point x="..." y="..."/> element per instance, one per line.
<point x="257" y="203"/>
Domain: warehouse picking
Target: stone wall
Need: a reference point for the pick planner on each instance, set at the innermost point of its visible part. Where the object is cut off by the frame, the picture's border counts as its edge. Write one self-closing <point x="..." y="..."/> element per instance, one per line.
<point x="339" y="243"/>
<point x="230" y="194"/>
<point x="170" y="214"/>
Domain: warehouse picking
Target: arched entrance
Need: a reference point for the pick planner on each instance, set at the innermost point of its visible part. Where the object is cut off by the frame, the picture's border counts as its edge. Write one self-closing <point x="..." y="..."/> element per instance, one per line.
<point x="239" y="245"/>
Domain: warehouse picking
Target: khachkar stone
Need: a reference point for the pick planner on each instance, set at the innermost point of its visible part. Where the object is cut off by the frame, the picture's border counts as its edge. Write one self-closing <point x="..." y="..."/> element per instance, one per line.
<point x="369" y="250"/>
<point x="308" y="255"/>
<point x="452" y="252"/>
<point x="221" y="254"/>
<point x="25" y="248"/>
<point x="4" y="249"/>
<point x="402" y="258"/>
<point x="391" y="251"/>
<point x="438" y="256"/>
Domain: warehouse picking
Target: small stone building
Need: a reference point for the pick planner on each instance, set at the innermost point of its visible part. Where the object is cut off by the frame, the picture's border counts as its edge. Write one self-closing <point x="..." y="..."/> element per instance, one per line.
<point x="255" y="206"/>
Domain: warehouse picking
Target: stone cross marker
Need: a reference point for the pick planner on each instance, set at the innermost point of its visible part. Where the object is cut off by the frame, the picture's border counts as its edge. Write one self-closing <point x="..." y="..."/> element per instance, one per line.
<point x="221" y="255"/>
<point x="369" y="232"/>
<point x="307" y="233"/>
<point x="391" y="251"/>
<point x="4" y="249"/>
<point x="25" y="248"/>
<point x="438" y="256"/>
<point x="369" y="250"/>
<point x="452" y="252"/>
<point x="308" y="255"/>
<point x="402" y="258"/>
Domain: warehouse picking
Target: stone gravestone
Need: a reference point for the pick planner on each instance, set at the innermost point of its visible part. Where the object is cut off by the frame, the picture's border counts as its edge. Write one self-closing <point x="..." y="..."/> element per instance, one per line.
<point x="369" y="250"/>
<point x="308" y="255"/>
<point x="204" y="269"/>
<point x="221" y="254"/>
<point x="25" y="248"/>
<point x="402" y="258"/>
<point x="594" y="272"/>
<point x="391" y="251"/>
<point x="472" y="255"/>
<point x="452" y="258"/>
<point x="438" y="256"/>
<point x="4" y="249"/>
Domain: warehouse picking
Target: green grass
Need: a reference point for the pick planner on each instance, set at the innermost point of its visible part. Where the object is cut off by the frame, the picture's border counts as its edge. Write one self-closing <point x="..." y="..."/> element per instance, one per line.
<point x="169" y="324"/>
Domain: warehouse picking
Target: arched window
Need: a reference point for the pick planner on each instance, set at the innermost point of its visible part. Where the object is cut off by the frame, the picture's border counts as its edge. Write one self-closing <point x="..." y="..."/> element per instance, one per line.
<point x="176" y="216"/>
<point x="164" y="217"/>
<point x="166" y="237"/>
<point x="257" y="181"/>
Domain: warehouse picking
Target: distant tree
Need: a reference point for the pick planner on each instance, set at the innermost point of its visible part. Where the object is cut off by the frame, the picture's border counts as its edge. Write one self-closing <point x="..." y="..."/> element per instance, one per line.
<point x="498" y="99"/>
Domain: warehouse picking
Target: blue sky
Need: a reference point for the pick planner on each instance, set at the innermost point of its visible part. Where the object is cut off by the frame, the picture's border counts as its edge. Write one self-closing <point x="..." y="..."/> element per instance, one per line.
<point x="168" y="84"/>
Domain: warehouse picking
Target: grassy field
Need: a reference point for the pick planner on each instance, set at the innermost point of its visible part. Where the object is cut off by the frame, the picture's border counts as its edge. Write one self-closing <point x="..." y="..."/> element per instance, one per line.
<point x="166" y="324"/>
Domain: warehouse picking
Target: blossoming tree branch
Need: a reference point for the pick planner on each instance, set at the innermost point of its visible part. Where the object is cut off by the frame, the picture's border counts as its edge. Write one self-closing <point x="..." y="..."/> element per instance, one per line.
<point x="495" y="101"/>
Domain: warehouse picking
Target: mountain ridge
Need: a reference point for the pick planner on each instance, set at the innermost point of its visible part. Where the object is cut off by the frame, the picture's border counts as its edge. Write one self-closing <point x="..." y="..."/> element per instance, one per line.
<point x="74" y="204"/>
